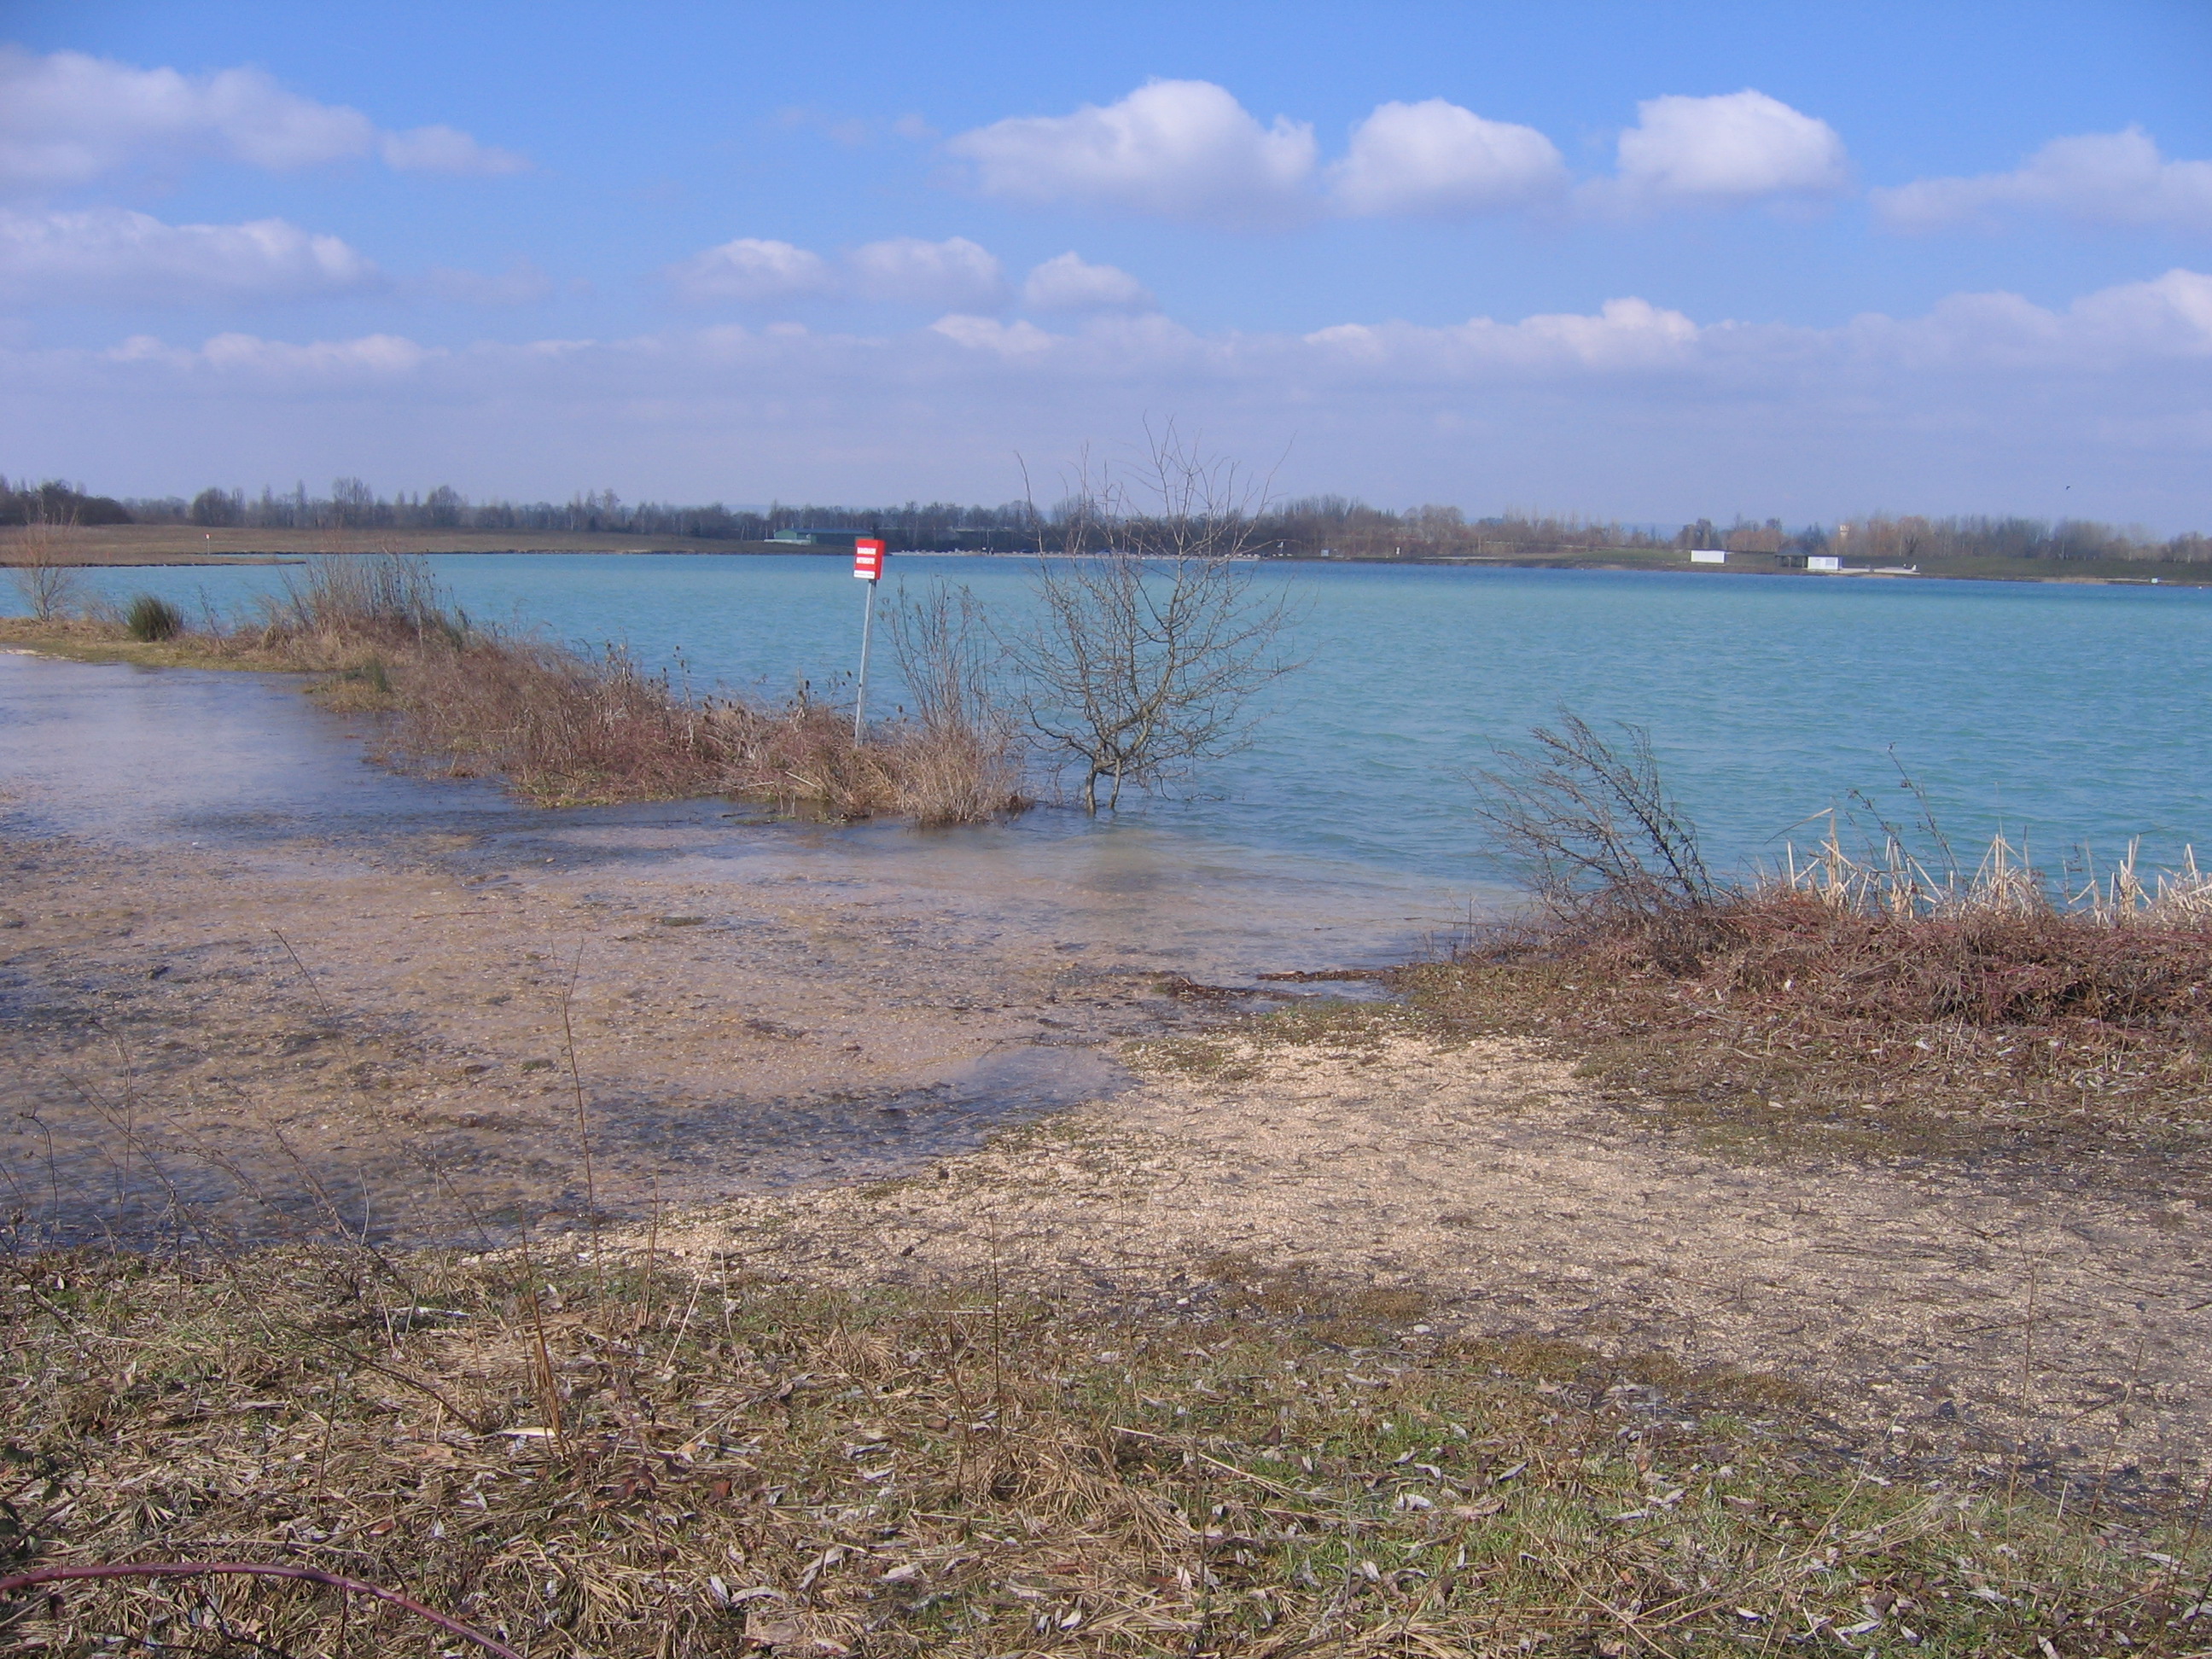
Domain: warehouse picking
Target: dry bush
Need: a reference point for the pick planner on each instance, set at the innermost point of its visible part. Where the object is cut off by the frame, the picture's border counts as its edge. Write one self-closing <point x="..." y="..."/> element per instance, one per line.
<point x="607" y="1457"/>
<point x="2054" y="1035"/>
<point x="347" y="606"/>
<point x="565" y="727"/>
<point x="1892" y="996"/>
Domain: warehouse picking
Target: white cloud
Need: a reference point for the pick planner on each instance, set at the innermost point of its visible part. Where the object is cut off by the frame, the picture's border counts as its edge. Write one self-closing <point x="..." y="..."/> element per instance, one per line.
<point x="446" y="149"/>
<point x="955" y="274"/>
<point x="1182" y="150"/>
<point x="1436" y="158"/>
<point x="1627" y="341"/>
<point x="2167" y="319"/>
<point x="67" y="118"/>
<point x="1627" y="334"/>
<point x="1734" y="147"/>
<point x="1015" y="339"/>
<point x="2098" y="178"/>
<point x="114" y="256"/>
<point x="1632" y="407"/>
<point x="247" y="356"/>
<point x="751" y="270"/>
<point x="1067" y="282"/>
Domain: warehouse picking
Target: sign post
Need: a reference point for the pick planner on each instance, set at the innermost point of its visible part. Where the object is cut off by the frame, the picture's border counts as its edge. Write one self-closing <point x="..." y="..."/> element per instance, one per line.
<point x="868" y="566"/>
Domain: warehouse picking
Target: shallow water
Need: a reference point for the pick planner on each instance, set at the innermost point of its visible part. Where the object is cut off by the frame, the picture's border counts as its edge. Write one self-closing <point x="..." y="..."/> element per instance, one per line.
<point x="131" y="756"/>
<point x="2062" y="713"/>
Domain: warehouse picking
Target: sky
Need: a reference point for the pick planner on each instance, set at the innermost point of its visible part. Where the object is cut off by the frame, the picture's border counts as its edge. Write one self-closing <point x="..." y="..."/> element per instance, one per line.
<point x="1615" y="260"/>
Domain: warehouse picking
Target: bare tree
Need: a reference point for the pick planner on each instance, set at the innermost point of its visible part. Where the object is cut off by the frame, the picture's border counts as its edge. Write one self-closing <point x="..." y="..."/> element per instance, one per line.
<point x="1151" y="638"/>
<point x="46" y="573"/>
<point x="1590" y="827"/>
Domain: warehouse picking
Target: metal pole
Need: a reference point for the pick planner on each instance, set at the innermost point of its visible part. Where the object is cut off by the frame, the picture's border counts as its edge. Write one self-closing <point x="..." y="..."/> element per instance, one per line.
<point x="860" y="692"/>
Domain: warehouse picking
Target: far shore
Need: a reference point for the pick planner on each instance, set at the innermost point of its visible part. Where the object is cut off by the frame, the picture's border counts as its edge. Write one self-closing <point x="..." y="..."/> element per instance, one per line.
<point x="156" y="545"/>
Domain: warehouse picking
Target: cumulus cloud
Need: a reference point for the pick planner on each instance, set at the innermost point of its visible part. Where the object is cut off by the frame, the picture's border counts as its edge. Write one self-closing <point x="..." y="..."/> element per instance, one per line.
<point x="751" y="270"/>
<point x="112" y="255"/>
<point x="2098" y="179"/>
<point x="1068" y="282"/>
<point x="68" y="119"/>
<point x="1732" y="148"/>
<point x="1436" y="158"/>
<point x="1180" y="149"/>
<point x="956" y="273"/>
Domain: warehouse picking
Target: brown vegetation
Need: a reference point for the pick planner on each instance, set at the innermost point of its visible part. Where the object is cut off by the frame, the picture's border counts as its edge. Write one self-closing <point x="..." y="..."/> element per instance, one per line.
<point x="601" y="1456"/>
<point x="563" y="726"/>
<point x="1891" y="1000"/>
<point x="1784" y="1017"/>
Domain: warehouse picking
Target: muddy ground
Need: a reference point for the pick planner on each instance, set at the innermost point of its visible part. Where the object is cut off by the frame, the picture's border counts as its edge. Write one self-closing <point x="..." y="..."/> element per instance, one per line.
<point x="198" y="1042"/>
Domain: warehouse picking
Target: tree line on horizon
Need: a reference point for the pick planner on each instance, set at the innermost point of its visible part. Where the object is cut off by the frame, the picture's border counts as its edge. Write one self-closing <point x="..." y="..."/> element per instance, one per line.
<point x="1306" y="526"/>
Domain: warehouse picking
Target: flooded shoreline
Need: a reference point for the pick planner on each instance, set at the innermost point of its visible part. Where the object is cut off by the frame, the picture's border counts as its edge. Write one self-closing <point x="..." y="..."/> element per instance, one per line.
<point x="255" y="986"/>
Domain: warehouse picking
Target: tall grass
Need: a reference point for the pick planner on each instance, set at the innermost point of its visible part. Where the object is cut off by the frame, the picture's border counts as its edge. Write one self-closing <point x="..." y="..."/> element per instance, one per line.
<point x="150" y="617"/>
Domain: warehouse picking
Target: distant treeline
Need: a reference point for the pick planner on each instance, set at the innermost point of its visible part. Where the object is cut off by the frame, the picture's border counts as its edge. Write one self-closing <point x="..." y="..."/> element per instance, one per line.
<point x="1308" y="527"/>
<point x="56" y="502"/>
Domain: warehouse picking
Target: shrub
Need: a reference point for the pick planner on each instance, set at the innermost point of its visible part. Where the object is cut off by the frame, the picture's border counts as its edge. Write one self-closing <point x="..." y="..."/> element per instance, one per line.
<point x="151" y="618"/>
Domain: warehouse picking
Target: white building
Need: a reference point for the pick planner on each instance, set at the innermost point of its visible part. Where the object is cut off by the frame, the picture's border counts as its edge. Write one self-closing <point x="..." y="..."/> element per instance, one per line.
<point x="1708" y="556"/>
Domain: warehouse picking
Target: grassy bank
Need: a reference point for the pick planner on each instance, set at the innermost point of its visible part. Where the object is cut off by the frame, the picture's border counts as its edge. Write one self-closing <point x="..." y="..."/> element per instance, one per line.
<point x="561" y="726"/>
<point x="603" y="1456"/>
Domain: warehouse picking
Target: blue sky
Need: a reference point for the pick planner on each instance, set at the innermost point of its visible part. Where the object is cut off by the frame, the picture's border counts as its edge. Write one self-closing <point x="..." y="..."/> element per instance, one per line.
<point x="1623" y="260"/>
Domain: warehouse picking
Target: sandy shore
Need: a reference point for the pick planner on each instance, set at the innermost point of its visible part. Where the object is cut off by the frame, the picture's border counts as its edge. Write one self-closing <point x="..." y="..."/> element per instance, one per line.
<point x="311" y="1036"/>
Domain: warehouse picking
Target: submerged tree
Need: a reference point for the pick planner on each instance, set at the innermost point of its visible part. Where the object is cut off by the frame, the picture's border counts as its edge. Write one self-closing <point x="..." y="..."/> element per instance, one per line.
<point x="1151" y="637"/>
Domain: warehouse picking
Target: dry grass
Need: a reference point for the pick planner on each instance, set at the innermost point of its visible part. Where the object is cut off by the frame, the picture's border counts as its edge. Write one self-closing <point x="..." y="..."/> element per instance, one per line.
<point x="1781" y="1013"/>
<point x="561" y="726"/>
<point x="605" y="1457"/>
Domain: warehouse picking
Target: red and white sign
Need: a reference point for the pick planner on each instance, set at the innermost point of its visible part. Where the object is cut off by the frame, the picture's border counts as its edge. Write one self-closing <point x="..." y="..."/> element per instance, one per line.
<point x="868" y="559"/>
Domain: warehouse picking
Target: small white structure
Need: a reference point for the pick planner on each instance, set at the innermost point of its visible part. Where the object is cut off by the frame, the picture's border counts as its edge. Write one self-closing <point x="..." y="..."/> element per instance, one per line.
<point x="1708" y="556"/>
<point x="1824" y="561"/>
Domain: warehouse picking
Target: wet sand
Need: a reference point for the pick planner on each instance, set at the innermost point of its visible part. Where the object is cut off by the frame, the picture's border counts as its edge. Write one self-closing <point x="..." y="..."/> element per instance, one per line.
<point x="252" y="984"/>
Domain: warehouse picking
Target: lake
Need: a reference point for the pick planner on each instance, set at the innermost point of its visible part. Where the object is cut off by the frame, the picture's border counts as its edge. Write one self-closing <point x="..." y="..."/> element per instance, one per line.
<point x="2063" y="715"/>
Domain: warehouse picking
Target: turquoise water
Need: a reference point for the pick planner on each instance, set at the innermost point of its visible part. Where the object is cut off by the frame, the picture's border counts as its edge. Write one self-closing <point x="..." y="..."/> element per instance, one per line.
<point x="2064" y="715"/>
